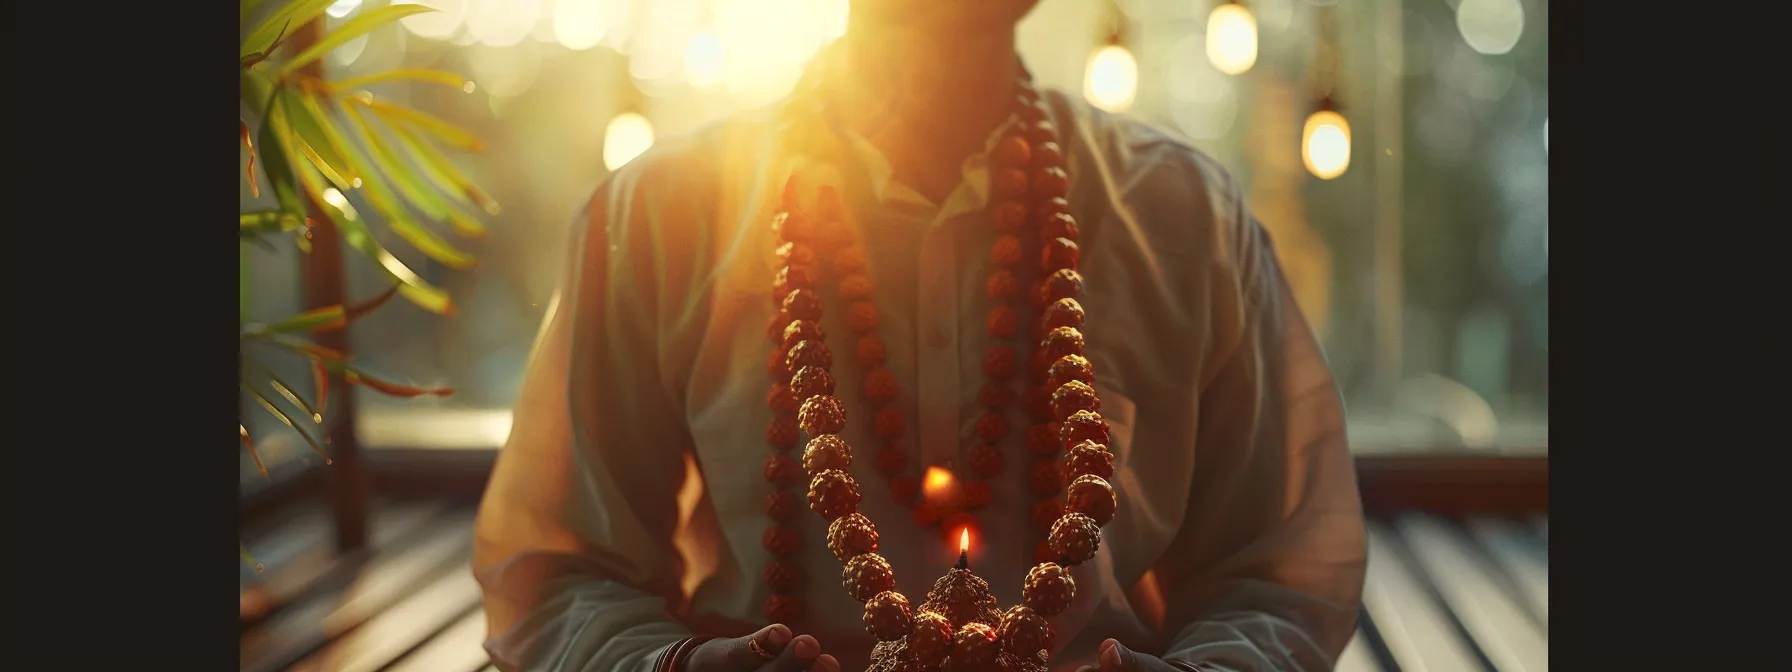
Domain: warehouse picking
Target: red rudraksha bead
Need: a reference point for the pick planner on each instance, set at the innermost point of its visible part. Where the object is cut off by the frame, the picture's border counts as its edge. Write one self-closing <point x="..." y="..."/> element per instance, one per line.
<point x="881" y="386"/>
<point x="1014" y="152"/>
<point x="1060" y="342"/>
<point x="808" y="382"/>
<point x="869" y="350"/>
<point x="851" y="535"/>
<point x="1048" y="154"/>
<point x="977" y="494"/>
<point x="904" y="488"/>
<point x="1043" y="439"/>
<point x="1024" y="633"/>
<point x="1091" y="496"/>
<point x="1058" y="253"/>
<point x="995" y="394"/>
<point x="1050" y="182"/>
<point x="861" y="317"/>
<point x="1002" y="322"/>
<point x="986" y="460"/>
<point x="833" y="494"/>
<point x="1045" y="512"/>
<point x="992" y="427"/>
<point x="891" y="460"/>
<point x="803" y="304"/>
<point x="809" y="353"/>
<point x="887" y="616"/>
<point x="825" y="452"/>
<point x="1046" y="478"/>
<point x="999" y="362"/>
<point x="1088" y="458"/>
<point x="1048" y="589"/>
<point x="822" y="414"/>
<point x="783" y="471"/>
<point x="1060" y="225"/>
<point x="1008" y="215"/>
<point x="849" y="260"/>
<point x="1063" y="313"/>
<point x="1002" y="286"/>
<point x="1005" y="251"/>
<point x="889" y="423"/>
<point x="781" y="506"/>
<point x="780" y="399"/>
<point x="780" y="540"/>
<point x="1010" y="183"/>
<point x="783" y="575"/>
<point x="1083" y="426"/>
<point x="1068" y="368"/>
<point x="783" y="433"/>
<point x="795" y="254"/>
<point x="1072" y="397"/>
<point x="866" y="575"/>
<point x="783" y="609"/>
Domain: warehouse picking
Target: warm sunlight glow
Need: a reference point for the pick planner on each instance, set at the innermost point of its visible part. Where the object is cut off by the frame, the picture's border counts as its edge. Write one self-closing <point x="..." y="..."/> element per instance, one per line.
<point x="437" y="25"/>
<point x="1491" y="27"/>
<point x="767" y="43"/>
<point x="627" y="136"/>
<point x="964" y="541"/>
<point x="1325" y="144"/>
<point x="703" y="60"/>
<point x="1112" y="78"/>
<point x="579" y="24"/>
<point x="502" y="23"/>
<point x="936" y="482"/>
<point x="1232" y="38"/>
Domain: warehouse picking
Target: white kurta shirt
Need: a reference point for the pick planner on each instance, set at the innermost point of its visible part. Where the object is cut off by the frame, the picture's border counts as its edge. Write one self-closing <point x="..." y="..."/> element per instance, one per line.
<point x="1235" y="483"/>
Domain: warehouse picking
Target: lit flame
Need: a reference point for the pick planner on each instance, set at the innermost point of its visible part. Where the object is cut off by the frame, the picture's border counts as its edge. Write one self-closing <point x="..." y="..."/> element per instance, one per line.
<point x="937" y="483"/>
<point x="964" y="541"/>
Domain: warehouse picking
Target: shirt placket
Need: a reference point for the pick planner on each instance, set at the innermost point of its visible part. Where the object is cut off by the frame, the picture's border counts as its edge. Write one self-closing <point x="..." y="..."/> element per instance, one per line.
<point x="936" y="357"/>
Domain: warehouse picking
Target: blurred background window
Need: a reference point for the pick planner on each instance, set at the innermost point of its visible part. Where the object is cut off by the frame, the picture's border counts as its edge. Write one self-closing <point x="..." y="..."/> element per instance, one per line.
<point x="1412" y="217"/>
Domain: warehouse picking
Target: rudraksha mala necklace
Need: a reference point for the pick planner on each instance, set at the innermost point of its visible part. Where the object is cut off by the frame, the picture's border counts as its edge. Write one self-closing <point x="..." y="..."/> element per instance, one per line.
<point x="1029" y="209"/>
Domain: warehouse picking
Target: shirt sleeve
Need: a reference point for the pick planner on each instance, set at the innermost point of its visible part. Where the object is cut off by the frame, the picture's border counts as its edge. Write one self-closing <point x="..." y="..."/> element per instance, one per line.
<point x="1267" y="571"/>
<point x="574" y="547"/>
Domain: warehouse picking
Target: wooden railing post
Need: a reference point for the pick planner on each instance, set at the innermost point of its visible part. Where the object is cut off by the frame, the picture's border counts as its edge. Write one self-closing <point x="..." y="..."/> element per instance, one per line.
<point x="346" y="481"/>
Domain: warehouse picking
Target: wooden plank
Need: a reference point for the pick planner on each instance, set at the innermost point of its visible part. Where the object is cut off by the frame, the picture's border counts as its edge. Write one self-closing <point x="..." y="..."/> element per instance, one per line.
<point x="1357" y="657"/>
<point x="1476" y="594"/>
<point x="403" y="627"/>
<point x="293" y="633"/>
<point x="1417" y="630"/>
<point x="460" y="648"/>
<point x="282" y="584"/>
<point x="1523" y="556"/>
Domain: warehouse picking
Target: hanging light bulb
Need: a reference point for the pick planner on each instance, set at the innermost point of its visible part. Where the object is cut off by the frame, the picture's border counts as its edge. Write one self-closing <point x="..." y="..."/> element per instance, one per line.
<point x="1325" y="142"/>
<point x="1232" y="38"/>
<point x="1112" y="79"/>
<point x="627" y="136"/>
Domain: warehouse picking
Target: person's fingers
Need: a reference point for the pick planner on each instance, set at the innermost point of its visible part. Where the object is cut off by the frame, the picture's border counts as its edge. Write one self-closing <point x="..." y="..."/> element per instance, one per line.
<point x="771" y="639"/>
<point x="826" y="663"/>
<point x="1111" y="658"/>
<point x="797" y="657"/>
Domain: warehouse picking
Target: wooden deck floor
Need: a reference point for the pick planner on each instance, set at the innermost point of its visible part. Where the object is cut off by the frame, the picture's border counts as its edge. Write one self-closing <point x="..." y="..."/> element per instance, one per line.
<point x="1440" y="596"/>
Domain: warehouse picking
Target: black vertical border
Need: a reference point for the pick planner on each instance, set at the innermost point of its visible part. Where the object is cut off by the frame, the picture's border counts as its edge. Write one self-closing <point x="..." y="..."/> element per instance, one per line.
<point x="1663" y="397"/>
<point x="125" y="469"/>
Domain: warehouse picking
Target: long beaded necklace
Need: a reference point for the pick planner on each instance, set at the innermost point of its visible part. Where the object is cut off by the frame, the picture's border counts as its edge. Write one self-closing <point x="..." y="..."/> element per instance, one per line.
<point x="1060" y="399"/>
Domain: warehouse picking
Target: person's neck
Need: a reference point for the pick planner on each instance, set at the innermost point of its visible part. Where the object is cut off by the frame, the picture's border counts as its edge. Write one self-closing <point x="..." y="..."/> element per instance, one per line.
<point x="927" y="99"/>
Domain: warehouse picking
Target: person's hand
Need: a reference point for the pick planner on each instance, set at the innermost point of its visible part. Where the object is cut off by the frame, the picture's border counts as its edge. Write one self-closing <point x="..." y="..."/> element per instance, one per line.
<point x="782" y="653"/>
<point x="1116" y="658"/>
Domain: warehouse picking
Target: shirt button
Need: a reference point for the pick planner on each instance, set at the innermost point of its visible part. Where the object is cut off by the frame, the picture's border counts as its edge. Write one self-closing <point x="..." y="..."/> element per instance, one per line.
<point x="938" y="338"/>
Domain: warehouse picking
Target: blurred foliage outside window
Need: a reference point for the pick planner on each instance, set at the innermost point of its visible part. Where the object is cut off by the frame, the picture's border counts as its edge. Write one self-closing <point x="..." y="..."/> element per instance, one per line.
<point x="1424" y="268"/>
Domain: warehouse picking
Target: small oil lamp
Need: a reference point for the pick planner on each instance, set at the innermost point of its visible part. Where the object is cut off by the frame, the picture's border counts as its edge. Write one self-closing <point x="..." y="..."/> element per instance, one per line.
<point x="956" y="629"/>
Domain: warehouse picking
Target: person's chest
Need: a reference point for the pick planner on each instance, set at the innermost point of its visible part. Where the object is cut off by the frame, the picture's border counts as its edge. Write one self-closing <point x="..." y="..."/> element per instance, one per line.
<point x="931" y="289"/>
